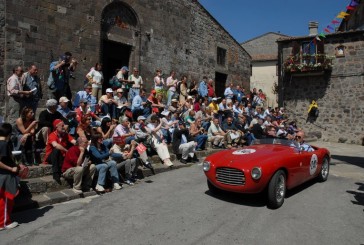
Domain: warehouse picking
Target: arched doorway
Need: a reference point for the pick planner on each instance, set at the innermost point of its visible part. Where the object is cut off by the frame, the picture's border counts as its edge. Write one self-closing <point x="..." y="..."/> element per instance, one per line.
<point x="120" y="38"/>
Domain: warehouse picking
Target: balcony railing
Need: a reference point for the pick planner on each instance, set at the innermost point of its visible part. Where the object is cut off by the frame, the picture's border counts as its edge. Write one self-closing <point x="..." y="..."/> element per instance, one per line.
<point x="308" y="63"/>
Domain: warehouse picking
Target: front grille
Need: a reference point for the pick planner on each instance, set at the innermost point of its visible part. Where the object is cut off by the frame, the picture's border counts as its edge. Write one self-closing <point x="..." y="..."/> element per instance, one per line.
<point x="230" y="176"/>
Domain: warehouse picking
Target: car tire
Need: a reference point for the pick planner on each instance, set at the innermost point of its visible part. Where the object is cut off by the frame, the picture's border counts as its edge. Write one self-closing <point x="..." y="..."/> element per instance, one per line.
<point x="277" y="190"/>
<point x="324" y="172"/>
<point x="213" y="189"/>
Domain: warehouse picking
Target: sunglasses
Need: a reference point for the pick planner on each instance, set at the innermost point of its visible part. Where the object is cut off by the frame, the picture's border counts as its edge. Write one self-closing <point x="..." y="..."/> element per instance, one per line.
<point x="298" y="137"/>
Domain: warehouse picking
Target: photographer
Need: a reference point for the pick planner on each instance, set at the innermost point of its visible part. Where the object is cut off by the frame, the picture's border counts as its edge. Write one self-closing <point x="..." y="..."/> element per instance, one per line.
<point x="199" y="134"/>
<point x="61" y="72"/>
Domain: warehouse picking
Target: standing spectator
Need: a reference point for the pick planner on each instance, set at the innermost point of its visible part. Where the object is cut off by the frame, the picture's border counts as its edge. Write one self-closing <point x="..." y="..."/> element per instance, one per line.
<point x="122" y="76"/>
<point x="59" y="141"/>
<point x="85" y="94"/>
<point x="99" y="155"/>
<point x="8" y="178"/>
<point x="229" y="93"/>
<point x="216" y="134"/>
<point x="96" y="78"/>
<point x="108" y="104"/>
<point x="30" y="82"/>
<point x="210" y="89"/>
<point x="183" y="90"/>
<point x="172" y="86"/>
<point x="239" y="94"/>
<point x="76" y="166"/>
<point x="16" y="94"/>
<point x="137" y="83"/>
<point x="159" y="82"/>
<point x="193" y="89"/>
<point x="202" y="88"/>
<point x="183" y="143"/>
<point x="61" y="72"/>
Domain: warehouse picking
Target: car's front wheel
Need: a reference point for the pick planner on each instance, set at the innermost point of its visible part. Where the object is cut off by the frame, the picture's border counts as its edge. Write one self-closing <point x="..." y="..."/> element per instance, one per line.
<point x="325" y="168"/>
<point x="277" y="189"/>
<point x="213" y="189"/>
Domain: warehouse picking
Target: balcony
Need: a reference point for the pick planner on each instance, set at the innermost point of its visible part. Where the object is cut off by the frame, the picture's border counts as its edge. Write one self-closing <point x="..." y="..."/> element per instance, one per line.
<point x="308" y="64"/>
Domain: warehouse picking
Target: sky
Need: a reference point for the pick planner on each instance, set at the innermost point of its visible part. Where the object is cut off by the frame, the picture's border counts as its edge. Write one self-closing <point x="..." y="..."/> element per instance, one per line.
<point x="247" y="19"/>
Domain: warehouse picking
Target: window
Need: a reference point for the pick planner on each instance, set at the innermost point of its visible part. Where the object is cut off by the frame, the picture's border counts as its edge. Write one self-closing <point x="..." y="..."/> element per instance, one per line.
<point x="221" y="56"/>
<point x="312" y="52"/>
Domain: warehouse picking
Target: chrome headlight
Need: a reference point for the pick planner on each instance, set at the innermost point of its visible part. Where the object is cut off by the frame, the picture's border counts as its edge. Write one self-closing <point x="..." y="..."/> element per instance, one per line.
<point x="206" y="166"/>
<point x="256" y="173"/>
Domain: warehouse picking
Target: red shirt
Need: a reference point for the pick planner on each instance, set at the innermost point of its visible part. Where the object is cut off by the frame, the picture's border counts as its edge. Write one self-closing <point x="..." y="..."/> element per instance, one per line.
<point x="64" y="141"/>
<point x="70" y="160"/>
<point x="210" y="90"/>
<point x="154" y="100"/>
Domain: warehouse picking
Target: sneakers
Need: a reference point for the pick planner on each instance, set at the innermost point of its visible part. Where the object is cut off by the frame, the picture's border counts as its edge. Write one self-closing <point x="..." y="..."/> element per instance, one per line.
<point x="99" y="188"/>
<point x="129" y="182"/>
<point x="184" y="161"/>
<point x="11" y="226"/>
<point x="117" y="186"/>
<point x="77" y="191"/>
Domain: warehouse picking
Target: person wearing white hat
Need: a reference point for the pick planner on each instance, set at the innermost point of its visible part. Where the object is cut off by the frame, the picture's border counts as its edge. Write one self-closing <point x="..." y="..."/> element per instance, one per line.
<point x="108" y="104"/>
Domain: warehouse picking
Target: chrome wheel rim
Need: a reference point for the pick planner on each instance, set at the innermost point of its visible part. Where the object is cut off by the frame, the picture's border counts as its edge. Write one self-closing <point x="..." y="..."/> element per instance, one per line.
<point x="281" y="188"/>
<point x="325" y="168"/>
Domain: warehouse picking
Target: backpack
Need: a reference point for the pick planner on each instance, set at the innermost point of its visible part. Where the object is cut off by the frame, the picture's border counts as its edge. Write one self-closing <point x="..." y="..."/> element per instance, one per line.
<point x="178" y="88"/>
<point x="114" y="82"/>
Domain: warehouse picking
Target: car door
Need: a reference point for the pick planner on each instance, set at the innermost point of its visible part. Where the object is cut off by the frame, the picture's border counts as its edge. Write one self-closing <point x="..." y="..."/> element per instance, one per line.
<point x="309" y="163"/>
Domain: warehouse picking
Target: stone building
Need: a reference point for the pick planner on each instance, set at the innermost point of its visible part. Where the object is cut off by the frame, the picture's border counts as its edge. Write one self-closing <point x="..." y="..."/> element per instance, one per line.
<point x="263" y="50"/>
<point x="329" y="71"/>
<point x="177" y="35"/>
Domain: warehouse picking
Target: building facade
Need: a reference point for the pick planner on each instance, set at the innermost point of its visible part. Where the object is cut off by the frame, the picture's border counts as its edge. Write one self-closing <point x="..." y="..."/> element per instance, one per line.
<point x="330" y="71"/>
<point x="263" y="50"/>
<point x="175" y="35"/>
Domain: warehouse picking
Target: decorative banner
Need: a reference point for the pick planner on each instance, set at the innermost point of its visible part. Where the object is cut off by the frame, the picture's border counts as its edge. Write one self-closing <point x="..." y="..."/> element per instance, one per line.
<point x="327" y="30"/>
<point x="335" y="22"/>
<point x="350" y="8"/>
<point x="354" y="3"/>
<point x="330" y="27"/>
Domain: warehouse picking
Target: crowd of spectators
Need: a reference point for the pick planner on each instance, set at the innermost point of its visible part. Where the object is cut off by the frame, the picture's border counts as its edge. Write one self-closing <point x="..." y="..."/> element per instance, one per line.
<point x="96" y="133"/>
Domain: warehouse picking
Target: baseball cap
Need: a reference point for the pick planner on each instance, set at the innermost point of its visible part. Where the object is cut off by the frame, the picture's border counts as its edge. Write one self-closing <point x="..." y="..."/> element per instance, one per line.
<point x="214" y="99"/>
<point x="56" y="122"/>
<point x="153" y="91"/>
<point x="63" y="99"/>
<point x="189" y="97"/>
<point x="109" y="90"/>
<point x="141" y="118"/>
<point x="125" y="68"/>
<point x="174" y="100"/>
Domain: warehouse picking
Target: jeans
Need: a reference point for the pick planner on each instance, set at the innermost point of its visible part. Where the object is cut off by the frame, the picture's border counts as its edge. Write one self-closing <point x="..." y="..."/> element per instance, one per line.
<point x="206" y="125"/>
<point x="132" y="93"/>
<point x="169" y="97"/>
<point x="167" y="135"/>
<point x="201" y="141"/>
<point x="103" y="168"/>
<point x="109" y="109"/>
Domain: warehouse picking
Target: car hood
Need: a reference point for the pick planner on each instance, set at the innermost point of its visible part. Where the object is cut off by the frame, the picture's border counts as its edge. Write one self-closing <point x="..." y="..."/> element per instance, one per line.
<point x="250" y="155"/>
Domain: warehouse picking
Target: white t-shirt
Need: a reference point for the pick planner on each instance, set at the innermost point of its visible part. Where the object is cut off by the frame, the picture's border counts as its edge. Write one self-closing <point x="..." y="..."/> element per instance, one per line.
<point x="96" y="77"/>
<point x="137" y="81"/>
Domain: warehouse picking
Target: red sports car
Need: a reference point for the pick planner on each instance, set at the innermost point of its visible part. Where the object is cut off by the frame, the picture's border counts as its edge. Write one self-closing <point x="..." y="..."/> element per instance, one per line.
<point x="274" y="165"/>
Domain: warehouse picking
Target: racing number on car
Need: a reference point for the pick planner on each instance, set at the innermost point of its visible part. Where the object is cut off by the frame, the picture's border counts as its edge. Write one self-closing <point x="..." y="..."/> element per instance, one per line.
<point x="313" y="164"/>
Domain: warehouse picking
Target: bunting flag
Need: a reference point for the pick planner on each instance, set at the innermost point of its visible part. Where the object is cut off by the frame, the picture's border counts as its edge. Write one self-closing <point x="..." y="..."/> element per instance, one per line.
<point x="354" y="3"/>
<point x="327" y="30"/>
<point x="343" y="14"/>
<point x="322" y="35"/>
<point x="340" y="17"/>
<point x="335" y="22"/>
<point x="330" y="27"/>
<point x="318" y="38"/>
<point x="350" y="8"/>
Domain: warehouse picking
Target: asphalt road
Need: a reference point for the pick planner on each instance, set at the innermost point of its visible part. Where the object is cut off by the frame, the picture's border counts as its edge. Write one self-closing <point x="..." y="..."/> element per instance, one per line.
<point x="176" y="208"/>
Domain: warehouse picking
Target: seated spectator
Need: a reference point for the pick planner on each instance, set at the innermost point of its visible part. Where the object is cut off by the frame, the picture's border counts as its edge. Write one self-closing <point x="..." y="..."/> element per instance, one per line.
<point x="174" y="107"/>
<point x="189" y="103"/>
<point x="108" y="104"/>
<point x="214" y="107"/>
<point x="25" y="128"/>
<point x="199" y="134"/>
<point x="122" y="102"/>
<point x="300" y="139"/>
<point x="232" y="133"/>
<point x="184" y="144"/>
<point x="99" y="155"/>
<point x="190" y="118"/>
<point x="197" y="105"/>
<point x="206" y="117"/>
<point x="123" y="154"/>
<point x="238" y="109"/>
<point x="69" y="115"/>
<point x="59" y="141"/>
<point x="84" y="129"/>
<point x="124" y="129"/>
<point x="85" y="94"/>
<point x="106" y="129"/>
<point x="158" y="143"/>
<point x="76" y="166"/>
<point x="140" y="106"/>
<point x="156" y="106"/>
<point x="45" y="122"/>
<point x="257" y="129"/>
<point x="216" y="135"/>
<point x="270" y="132"/>
<point x="168" y="126"/>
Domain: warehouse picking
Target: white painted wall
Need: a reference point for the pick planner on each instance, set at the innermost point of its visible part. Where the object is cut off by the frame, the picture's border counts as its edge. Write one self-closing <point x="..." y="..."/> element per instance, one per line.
<point x="263" y="77"/>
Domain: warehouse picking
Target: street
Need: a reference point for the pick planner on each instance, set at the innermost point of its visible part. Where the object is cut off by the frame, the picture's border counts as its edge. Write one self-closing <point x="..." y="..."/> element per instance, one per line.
<point x="176" y="208"/>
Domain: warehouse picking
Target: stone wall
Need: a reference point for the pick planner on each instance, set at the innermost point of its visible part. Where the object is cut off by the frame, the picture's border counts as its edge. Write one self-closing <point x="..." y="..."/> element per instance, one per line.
<point x="339" y="94"/>
<point x="2" y="48"/>
<point x="171" y="35"/>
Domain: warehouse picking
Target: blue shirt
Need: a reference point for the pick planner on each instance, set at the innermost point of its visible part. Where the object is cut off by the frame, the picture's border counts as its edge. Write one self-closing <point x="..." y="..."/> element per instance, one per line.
<point x="228" y="93"/>
<point x="91" y="100"/>
<point x="202" y="89"/>
<point x="60" y="76"/>
<point x="137" y="102"/>
<point x="239" y="95"/>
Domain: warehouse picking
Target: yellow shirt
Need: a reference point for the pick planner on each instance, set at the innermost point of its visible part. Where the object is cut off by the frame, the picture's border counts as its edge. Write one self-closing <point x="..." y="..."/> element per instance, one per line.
<point x="214" y="108"/>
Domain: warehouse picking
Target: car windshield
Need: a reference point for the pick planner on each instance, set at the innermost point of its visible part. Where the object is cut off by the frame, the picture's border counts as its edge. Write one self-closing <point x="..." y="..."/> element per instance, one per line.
<point x="275" y="141"/>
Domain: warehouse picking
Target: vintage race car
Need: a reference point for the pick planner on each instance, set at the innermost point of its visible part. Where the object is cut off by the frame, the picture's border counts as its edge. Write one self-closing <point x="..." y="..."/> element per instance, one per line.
<point x="272" y="165"/>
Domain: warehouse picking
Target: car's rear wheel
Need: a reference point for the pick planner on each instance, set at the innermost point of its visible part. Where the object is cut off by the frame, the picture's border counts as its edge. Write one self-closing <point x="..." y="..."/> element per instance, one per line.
<point x="213" y="189"/>
<point x="277" y="189"/>
<point x="325" y="168"/>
